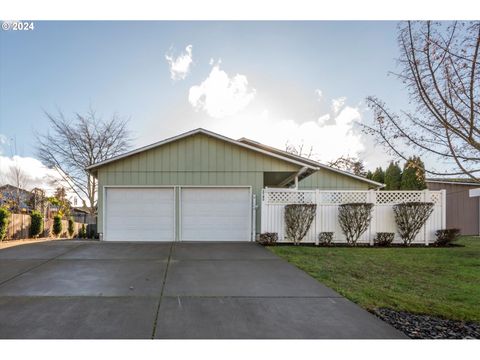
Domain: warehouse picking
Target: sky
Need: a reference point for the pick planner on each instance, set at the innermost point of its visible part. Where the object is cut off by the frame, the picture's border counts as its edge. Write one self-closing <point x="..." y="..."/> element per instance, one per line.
<point x="301" y="82"/>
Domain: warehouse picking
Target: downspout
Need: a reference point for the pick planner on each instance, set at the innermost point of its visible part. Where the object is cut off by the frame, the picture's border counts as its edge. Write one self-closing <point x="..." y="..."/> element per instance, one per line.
<point x="300" y="172"/>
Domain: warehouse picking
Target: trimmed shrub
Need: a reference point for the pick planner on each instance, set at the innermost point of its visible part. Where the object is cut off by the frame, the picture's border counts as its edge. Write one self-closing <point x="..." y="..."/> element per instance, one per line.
<point x="446" y="236"/>
<point x="268" y="238"/>
<point x="57" y="225"/>
<point x="325" y="238"/>
<point x="4" y="220"/>
<point x="71" y="227"/>
<point x="410" y="217"/>
<point x="298" y="219"/>
<point x="354" y="219"/>
<point x="82" y="233"/>
<point x="384" y="238"/>
<point x="36" y="226"/>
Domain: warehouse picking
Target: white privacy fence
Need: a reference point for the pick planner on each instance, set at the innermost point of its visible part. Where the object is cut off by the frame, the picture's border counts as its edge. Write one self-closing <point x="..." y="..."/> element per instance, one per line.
<point x="326" y="219"/>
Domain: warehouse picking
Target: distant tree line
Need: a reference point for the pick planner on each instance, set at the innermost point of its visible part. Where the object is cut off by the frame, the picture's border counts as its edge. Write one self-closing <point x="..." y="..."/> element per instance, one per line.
<point x="412" y="177"/>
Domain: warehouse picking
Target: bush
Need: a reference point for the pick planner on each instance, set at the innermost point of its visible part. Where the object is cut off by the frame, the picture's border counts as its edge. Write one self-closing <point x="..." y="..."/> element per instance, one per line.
<point x="384" y="238"/>
<point x="298" y="219"/>
<point x="36" y="226"/>
<point x="268" y="238"/>
<point x="354" y="219"/>
<point x="325" y="238"/>
<point x="57" y="225"/>
<point x="410" y="217"/>
<point x="446" y="236"/>
<point x="4" y="219"/>
<point x="71" y="227"/>
<point x="82" y="232"/>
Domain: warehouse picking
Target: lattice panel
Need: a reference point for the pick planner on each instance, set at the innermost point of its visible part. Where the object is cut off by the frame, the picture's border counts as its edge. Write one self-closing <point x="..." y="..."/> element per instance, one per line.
<point x="289" y="197"/>
<point x="334" y="197"/>
<point x="436" y="198"/>
<point x="396" y="197"/>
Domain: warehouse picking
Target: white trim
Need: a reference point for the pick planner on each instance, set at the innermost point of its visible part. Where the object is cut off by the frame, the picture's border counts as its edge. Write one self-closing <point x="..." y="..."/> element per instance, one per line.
<point x="452" y="182"/>
<point x="193" y="132"/>
<point x="104" y="205"/>
<point x="181" y="187"/>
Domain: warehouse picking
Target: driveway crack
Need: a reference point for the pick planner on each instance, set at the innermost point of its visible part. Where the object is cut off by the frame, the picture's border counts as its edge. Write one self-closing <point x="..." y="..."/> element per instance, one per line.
<point x="161" y="291"/>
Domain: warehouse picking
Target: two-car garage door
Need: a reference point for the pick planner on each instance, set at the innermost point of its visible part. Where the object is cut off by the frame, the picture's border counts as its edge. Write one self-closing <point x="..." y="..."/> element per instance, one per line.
<point x="204" y="214"/>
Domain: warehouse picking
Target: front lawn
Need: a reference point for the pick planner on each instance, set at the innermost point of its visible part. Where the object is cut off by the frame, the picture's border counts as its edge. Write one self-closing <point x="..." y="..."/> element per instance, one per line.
<point x="436" y="281"/>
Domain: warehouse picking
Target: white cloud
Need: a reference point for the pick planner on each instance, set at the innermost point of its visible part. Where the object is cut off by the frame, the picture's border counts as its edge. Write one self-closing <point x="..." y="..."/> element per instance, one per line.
<point x="329" y="140"/>
<point x="220" y="95"/>
<point x="338" y="104"/>
<point x="180" y="65"/>
<point x="319" y="94"/>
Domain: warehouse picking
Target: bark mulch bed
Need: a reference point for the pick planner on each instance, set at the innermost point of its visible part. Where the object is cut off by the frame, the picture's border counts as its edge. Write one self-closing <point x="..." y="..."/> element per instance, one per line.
<point x="429" y="327"/>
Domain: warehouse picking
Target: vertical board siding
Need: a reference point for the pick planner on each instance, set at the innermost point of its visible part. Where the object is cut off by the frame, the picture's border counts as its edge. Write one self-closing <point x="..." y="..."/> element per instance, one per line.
<point x="326" y="219"/>
<point x="195" y="160"/>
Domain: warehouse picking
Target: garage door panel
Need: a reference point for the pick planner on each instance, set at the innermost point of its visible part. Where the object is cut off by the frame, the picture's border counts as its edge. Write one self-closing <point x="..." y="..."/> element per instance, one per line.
<point x="215" y="214"/>
<point x="139" y="214"/>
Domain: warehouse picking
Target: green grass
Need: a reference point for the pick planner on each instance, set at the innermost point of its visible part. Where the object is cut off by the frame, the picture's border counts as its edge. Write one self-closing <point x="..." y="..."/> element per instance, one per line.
<point x="438" y="281"/>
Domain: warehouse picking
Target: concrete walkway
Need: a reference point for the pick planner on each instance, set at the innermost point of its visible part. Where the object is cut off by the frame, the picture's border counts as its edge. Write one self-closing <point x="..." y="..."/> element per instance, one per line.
<point x="75" y="289"/>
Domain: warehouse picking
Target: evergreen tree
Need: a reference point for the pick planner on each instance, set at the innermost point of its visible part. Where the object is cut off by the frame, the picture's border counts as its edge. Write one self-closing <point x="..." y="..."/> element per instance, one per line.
<point x="378" y="175"/>
<point x="369" y="175"/>
<point x="413" y="177"/>
<point x="393" y="177"/>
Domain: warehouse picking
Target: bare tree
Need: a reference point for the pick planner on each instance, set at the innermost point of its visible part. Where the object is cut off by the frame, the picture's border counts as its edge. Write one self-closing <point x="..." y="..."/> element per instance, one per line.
<point x="350" y="164"/>
<point x="20" y="180"/>
<point x="440" y="68"/>
<point x="299" y="150"/>
<point x="75" y="144"/>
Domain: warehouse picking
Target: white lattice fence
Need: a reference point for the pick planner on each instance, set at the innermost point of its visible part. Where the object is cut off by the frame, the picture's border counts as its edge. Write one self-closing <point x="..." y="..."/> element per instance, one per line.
<point x="274" y="201"/>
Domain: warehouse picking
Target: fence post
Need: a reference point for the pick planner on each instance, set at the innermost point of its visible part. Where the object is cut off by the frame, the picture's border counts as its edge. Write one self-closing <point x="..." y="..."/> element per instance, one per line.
<point x="444" y="208"/>
<point x="371" y="198"/>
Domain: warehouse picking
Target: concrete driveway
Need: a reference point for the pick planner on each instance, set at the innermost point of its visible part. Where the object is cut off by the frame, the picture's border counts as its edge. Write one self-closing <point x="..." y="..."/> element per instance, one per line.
<point x="81" y="289"/>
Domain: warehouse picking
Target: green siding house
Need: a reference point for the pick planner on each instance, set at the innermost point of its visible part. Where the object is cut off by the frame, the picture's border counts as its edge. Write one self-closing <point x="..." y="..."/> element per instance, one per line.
<point x="201" y="186"/>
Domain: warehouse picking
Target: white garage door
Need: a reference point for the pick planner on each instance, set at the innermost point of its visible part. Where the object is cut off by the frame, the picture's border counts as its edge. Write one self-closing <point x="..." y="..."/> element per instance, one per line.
<point x="139" y="214"/>
<point x="215" y="214"/>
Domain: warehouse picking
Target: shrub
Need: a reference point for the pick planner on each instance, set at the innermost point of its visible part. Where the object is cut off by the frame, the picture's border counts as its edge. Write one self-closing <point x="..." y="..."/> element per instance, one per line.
<point x="410" y="217"/>
<point x="71" y="227"/>
<point x="82" y="233"/>
<point x="36" y="226"/>
<point x="446" y="236"/>
<point x="384" y="238"/>
<point x="298" y="219"/>
<point x="354" y="219"/>
<point x="268" y="238"/>
<point x="4" y="219"/>
<point x="325" y="238"/>
<point x="57" y="225"/>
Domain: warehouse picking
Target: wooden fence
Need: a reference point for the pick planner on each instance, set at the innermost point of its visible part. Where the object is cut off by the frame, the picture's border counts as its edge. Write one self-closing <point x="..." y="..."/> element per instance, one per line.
<point x="19" y="227"/>
<point x="326" y="219"/>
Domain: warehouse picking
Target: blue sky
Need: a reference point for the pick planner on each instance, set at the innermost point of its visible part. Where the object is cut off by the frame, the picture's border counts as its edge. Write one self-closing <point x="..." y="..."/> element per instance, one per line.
<point x="257" y="79"/>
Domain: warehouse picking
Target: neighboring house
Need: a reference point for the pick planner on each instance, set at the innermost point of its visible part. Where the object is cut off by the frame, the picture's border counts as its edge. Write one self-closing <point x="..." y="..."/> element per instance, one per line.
<point x="82" y="215"/>
<point x="15" y="198"/>
<point x="201" y="186"/>
<point x="463" y="211"/>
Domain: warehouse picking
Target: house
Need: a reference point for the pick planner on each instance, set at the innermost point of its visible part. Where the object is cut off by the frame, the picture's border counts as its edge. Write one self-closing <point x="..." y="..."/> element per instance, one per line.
<point x="201" y="186"/>
<point x="463" y="211"/>
<point x="15" y="198"/>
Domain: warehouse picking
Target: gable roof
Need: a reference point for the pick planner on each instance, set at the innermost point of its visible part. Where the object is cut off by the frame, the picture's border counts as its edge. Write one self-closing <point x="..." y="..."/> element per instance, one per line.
<point x="205" y="132"/>
<point x="453" y="181"/>
<point x="245" y="143"/>
<point x="308" y="161"/>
